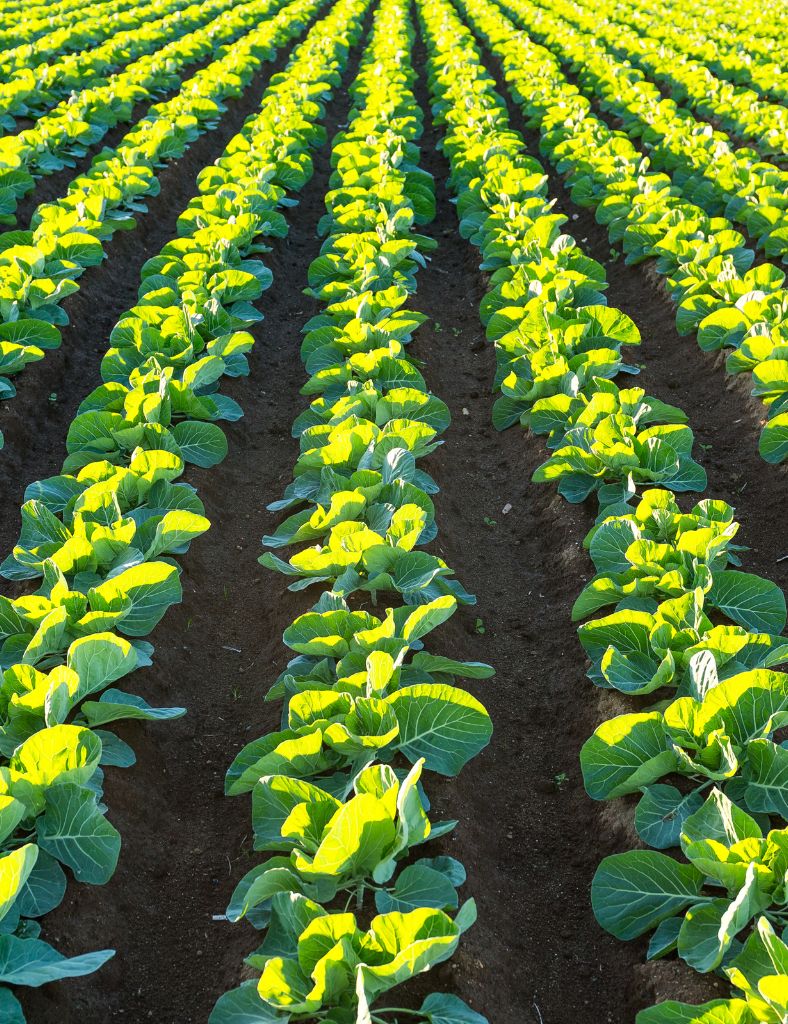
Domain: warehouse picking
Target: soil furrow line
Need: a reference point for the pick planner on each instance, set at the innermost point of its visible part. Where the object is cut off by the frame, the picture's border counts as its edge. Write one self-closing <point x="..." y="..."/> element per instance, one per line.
<point x="35" y="422"/>
<point x="724" y="417"/>
<point x="530" y="837"/>
<point x="186" y="845"/>
<point x="525" y="817"/>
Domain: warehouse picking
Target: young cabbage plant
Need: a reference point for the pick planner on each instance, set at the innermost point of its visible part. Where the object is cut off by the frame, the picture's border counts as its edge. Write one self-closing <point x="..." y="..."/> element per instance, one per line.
<point x="320" y="966"/>
<point x="759" y="972"/>
<point x="639" y="651"/>
<point x="658" y="552"/>
<point x="330" y="846"/>
<point x="356" y="557"/>
<point x="721" y="734"/>
<point x="333" y="732"/>
<point x="607" y="445"/>
<point x="704" y="907"/>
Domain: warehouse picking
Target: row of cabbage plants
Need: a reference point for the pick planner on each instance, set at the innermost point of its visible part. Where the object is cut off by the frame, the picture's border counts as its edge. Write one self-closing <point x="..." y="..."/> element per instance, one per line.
<point x="735" y="108"/>
<point x="702" y="161"/>
<point x="337" y="795"/>
<point x="62" y="136"/>
<point x="98" y="540"/>
<point x="30" y="92"/>
<point x="706" y="267"/>
<point x="24" y="26"/>
<point x="736" y="53"/>
<point x="763" y="23"/>
<point x="705" y="758"/>
<point x="83" y="31"/>
<point x="41" y="267"/>
<point x="15" y="11"/>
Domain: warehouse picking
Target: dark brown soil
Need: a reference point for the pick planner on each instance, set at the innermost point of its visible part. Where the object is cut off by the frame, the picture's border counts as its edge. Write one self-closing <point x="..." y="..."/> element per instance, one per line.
<point x="185" y="845"/>
<point x="528" y="835"/>
<point x="52" y="186"/>
<point x="50" y="391"/>
<point x="725" y="418"/>
<point x="617" y="123"/>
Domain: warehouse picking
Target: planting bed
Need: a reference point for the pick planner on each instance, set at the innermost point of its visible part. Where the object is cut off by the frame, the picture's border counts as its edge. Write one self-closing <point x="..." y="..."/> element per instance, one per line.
<point x="388" y="283"/>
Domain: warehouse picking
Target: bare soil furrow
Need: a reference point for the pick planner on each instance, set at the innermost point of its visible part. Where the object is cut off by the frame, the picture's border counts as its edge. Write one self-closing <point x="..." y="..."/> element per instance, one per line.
<point x="186" y="845"/>
<point x="35" y="422"/>
<point x="529" y="835"/>
<point x="725" y="418"/>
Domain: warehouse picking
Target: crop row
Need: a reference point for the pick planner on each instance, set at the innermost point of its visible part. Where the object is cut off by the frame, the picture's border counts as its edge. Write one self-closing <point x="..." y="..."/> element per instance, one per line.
<point x="27" y="26"/>
<point x="336" y="793"/>
<point x="57" y="139"/>
<point x="664" y="571"/>
<point x="98" y="538"/>
<point x="738" y="54"/>
<point x="42" y="266"/>
<point x="763" y="22"/>
<point x="702" y="161"/>
<point x="732" y="107"/>
<point x="106" y="22"/>
<point x="14" y="11"/>
<point x="30" y="92"/>
<point x="706" y="266"/>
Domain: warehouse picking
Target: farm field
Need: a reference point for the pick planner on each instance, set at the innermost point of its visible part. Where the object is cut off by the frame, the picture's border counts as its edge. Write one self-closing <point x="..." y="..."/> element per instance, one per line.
<point x="393" y="548"/>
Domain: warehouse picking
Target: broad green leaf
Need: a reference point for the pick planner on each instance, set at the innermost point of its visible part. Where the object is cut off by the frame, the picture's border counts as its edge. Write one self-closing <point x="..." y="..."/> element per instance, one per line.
<point x="632" y="892"/>
<point x="625" y="754"/>
<point x="243" y="1006"/>
<point x="360" y="836"/>
<point x="115" y="704"/>
<point x="44" y="889"/>
<point x="10" y="1009"/>
<point x="661" y="813"/>
<point x="664" y="939"/>
<point x="412" y="943"/>
<point x="152" y="588"/>
<point x="427" y="617"/>
<point x="275" y="799"/>
<point x="175" y="532"/>
<point x="98" y="660"/>
<point x="11" y="813"/>
<point x="709" y="929"/>
<point x="15" y="868"/>
<point x="749" y="600"/>
<point x="202" y="444"/>
<point x="321" y="936"/>
<point x="721" y="820"/>
<point x="114" y="750"/>
<point x="442" y="724"/>
<point x="418" y="885"/>
<point x="774" y="990"/>
<point x="435" y="663"/>
<point x="266" y="881"/>
<point x="773" y="443"/>
<point x="75" y="831"/>
<point x="766" y="778"/>
<point x="33" y="962"/>
<point x="30" y="332"/>
<point x="443" y="1008"/>
<point x="62" y="754"/>
<point x="750" y="704"/>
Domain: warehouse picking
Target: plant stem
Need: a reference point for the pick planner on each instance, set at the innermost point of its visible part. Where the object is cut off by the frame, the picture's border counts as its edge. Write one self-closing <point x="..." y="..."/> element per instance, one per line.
<point x="397" y="1009"/>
